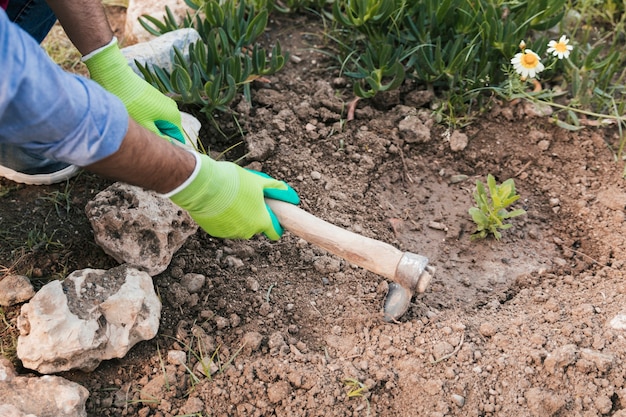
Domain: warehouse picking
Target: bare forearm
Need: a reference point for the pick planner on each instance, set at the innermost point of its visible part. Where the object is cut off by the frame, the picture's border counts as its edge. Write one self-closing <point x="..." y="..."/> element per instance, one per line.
<point x="147" y="161"/>
<point x="84" y="22"/>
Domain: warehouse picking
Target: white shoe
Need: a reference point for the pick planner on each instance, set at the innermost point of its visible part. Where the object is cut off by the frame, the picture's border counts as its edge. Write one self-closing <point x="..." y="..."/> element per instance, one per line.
<point x="39" y="179"/>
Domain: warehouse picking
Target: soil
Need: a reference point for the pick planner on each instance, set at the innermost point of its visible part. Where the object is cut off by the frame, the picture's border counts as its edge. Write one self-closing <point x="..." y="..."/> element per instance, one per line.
<point x="516" y="327"/>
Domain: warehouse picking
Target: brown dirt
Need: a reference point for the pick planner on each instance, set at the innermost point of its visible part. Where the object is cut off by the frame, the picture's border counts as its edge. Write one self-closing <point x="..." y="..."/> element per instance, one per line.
<point x="516" y="327"/>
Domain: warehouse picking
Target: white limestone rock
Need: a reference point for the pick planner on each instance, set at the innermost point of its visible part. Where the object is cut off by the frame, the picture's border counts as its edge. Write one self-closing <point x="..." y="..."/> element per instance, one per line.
<point x="91" y="316"/>
<point x="160" y="50"/>
<point x="55" y="396"/>
<point x="138" y="227"/>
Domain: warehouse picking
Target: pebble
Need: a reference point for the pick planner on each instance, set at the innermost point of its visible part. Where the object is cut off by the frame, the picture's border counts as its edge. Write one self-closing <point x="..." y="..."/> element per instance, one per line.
<point x="15" y="289"/>
<point x="544" y="145"/>
<point x="487" y="329"/>
<point x="316" y="175"/>
<point x="458" y="400"/>
<point x="176" y="357"/>
<point x="193" y="282"/>
<point x="252" y="284"/>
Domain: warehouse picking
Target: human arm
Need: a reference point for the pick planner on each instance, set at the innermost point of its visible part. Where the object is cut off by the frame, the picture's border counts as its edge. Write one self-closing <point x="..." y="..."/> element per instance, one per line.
<point x="85" y="23"/>
<point x="69" y="118"/>
<point x="224" y="199"/>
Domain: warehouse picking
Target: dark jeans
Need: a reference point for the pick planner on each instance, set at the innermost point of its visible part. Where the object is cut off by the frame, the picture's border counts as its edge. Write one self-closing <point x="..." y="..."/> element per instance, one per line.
<point x="34" y="16"/>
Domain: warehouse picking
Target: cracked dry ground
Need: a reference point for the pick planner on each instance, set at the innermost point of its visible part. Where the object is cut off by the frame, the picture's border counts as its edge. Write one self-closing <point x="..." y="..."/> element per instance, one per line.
<point x="517" y="327"/>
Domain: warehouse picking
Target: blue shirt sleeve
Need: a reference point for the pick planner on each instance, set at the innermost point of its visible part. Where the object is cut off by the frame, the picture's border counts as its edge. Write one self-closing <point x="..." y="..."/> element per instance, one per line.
<point x="51" y="112"/>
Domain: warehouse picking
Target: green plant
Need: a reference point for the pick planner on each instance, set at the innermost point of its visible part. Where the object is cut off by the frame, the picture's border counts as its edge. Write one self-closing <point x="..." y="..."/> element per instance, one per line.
<point x="379" y="68"/>
<point x="60" y="199"/>
<point x="491" y="210"/>
<point x="357" y="389"/>
<point x="453" y="46"/>
<point x="225" y="61"/>
<point x="40" y="239"/>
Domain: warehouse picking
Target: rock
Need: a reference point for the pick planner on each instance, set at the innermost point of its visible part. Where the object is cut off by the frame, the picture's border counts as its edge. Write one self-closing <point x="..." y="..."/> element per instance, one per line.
<point x="278" y="391"/>
<point x="487" y="329"/>
<point x="561" y="358"/>
<point x="193" y="406"/>
<point x="206" y="367"/>
<point x="155" y="390"/>
<point x="544" y="403"/>
<point x="7" y="410"/>
<point x="602" y="361"/>
<point x="93" y="315"/>
<point x="55" y="396"/>
<point x="613" y="199"/>
<point x="193" y="283"/>
<point x="15" y="289"/>
<point x="160" y="50"/>
<point x="618" y="322"/>
<point x="7" y="372"/>
<point x="138" y="227"/>
<point x="543" y="145"/>
<point x="176" y="357"/>
<point x="252" y="342"/>
<point x="458" y="141"/>
<point x="459" y="400"/>
<point x="260" y="145"/>
<point x="413" y="130"/>
<point x="276" y="340"/>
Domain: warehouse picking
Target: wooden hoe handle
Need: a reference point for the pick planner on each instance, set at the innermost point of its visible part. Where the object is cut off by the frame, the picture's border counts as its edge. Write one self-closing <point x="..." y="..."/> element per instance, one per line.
<point x="405" y="268"/>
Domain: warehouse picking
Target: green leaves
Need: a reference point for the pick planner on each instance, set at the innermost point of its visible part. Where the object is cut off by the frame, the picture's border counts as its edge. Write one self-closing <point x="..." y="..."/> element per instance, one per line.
<point x="225" y="61"/>
<point x="379" y="69"/>
<point x="490" y="211"/>
<point x="452" y="45"/>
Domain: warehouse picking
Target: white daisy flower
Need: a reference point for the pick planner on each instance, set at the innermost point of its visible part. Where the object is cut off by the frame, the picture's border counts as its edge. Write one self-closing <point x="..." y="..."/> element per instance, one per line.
<point x="527" y="64"/>
<point x="560" y="48"/>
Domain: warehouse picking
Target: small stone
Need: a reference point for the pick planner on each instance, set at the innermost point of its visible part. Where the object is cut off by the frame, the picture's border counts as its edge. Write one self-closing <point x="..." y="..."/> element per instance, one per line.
<point x="278" y="391"/>
<point x="221" y="322"/>
<point x="252" y="341"/>
<point x="15" y="289"/>
<point x="252" y="284"/>
<point x="176" y="357"/>
<point x="316" y="175"/>
<point x="193" y="282"/>
<point x="458" y="400"/>
<point x="488" y="329"/>
<point x="458" y="141"/>
<point x="206" y="367"/>
<point x="543" y="145"/>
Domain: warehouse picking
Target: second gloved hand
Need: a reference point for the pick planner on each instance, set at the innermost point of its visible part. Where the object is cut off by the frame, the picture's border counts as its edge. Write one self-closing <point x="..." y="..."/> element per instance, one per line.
<point x="145" y="104"/>
<point x="227" y="201"/>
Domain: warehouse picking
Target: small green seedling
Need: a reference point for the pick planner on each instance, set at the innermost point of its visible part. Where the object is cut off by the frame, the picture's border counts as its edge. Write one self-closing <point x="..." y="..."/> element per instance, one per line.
<point x="490" y="214"/>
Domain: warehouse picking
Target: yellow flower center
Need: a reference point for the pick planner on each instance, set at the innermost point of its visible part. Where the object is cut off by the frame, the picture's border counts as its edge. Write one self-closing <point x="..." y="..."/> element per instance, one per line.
<point x="529" y="60"/>
<point x="560" y="47"/>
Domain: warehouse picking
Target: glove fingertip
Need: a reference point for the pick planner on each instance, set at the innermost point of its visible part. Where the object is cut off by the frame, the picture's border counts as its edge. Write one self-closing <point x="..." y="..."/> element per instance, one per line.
<point x="169" y="129"/>
<point x="277" y="230"/>
<point x="289" y="195"/>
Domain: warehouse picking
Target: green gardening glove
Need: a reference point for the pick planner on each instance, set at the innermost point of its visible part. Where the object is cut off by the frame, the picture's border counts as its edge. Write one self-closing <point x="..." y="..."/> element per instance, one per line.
<point x="227" y="201"/>
<point x="145" y="104"/>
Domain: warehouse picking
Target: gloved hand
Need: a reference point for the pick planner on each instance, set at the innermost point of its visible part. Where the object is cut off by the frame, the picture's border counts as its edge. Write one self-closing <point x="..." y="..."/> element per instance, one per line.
<point x="145" y="104"/>
<point x="226" y="200"/>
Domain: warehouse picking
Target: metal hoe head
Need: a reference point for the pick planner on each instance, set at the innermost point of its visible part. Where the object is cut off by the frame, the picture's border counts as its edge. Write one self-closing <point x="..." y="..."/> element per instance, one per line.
<point x="413" y="274"/>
